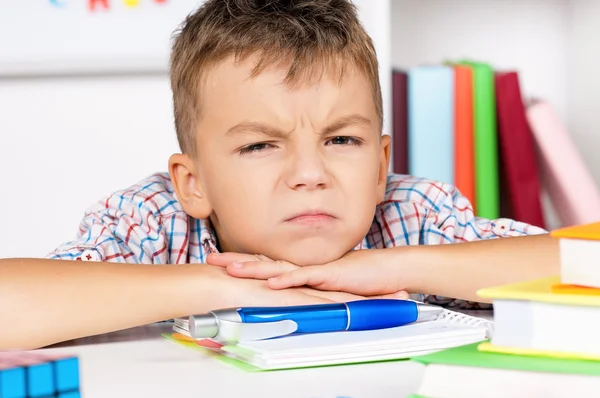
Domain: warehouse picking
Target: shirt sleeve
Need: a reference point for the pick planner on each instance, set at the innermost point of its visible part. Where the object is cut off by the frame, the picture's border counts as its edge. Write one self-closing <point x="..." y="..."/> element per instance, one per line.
<point x="117" y="230"/>
<point x="455" y="222"/>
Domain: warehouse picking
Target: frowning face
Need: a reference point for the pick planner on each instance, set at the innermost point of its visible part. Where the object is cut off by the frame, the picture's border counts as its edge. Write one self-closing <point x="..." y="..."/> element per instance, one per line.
<point x="291" y="173"/>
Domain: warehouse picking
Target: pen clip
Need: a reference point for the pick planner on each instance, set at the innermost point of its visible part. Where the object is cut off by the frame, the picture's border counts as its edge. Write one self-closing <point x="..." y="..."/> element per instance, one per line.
<point x="238" y="332"/>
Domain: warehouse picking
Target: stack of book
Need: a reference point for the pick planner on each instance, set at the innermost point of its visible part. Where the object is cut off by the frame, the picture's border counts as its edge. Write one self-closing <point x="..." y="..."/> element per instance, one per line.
<point x="467" y="124"/>
<point x="545" y="341"/>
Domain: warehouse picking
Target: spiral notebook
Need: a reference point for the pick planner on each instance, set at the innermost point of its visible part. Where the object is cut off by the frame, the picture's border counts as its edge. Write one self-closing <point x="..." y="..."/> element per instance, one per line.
<point x="449" y="329"/>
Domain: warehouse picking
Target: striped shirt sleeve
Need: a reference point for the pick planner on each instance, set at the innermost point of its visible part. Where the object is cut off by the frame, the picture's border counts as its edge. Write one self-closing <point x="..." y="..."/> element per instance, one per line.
<point x="455" y="222"/>
<point x="120" y="229"/>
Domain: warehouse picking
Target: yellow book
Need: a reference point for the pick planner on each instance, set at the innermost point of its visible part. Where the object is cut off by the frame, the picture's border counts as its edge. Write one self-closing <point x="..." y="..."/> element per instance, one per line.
<point x="488" y="347"/>
<point x="532" y="319"/>
<point x="541" y="290"/>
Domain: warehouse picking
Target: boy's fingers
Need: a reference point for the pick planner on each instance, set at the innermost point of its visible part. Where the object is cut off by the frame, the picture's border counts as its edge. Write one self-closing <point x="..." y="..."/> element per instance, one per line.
<point x="259" y="269"/>
<point x="314" y="276"/>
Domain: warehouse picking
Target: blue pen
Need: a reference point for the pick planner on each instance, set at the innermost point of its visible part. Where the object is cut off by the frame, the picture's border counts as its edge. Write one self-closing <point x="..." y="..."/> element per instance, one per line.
<point x="257" y="323"/>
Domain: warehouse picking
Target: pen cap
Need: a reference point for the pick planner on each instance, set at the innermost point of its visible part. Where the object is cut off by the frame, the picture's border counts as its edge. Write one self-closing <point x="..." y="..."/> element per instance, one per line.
<point x="203" y="326"/>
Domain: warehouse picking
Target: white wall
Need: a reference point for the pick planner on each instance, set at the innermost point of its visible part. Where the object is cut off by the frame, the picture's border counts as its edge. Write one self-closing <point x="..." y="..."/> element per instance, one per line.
<point x="527" y="35"/>
<point x="66" y="142"/>
<point x="584" y="80"/>
<point x="375" y="16"/>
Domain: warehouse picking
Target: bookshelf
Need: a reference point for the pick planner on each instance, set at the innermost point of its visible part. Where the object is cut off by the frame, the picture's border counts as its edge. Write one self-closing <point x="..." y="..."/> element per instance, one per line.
<point x="549" y="43"/>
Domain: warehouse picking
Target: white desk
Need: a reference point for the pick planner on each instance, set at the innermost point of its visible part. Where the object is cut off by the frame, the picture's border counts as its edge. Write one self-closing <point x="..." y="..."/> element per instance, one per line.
<point x="160" y="368"/>
<point x="146" y="365"/>
<point x="155" y="367"/>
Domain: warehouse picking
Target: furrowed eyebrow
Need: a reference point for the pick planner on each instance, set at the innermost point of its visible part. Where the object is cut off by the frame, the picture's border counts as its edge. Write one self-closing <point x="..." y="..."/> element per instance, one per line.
<point x="345" y="122"/>
<point x="261" y="128"/>
<point x="255" y="127"/>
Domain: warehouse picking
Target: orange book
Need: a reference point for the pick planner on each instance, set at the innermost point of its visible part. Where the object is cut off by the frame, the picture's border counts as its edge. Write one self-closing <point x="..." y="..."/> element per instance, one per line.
<point x="586" y="231"/>
<point x="575" y="289"/>
<point x="464" y="147"/>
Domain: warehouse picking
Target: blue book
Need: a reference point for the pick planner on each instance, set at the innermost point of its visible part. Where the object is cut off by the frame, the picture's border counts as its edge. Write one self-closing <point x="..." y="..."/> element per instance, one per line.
<point x="431" y="122"/>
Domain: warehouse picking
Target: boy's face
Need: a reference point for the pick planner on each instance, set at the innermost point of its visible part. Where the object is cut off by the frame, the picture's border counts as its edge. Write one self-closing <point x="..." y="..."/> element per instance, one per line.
<point x="291" y="173"/>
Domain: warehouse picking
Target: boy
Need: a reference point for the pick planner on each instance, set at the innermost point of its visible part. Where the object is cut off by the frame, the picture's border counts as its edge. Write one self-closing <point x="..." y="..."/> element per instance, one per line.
<point x="278" y="114"/>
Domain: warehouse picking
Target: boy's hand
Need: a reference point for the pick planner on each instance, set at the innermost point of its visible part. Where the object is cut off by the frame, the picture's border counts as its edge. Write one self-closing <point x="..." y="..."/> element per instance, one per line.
<point x="362" y="272"/>
<point x="255" y="266"/>
<point x="231" y="292"/>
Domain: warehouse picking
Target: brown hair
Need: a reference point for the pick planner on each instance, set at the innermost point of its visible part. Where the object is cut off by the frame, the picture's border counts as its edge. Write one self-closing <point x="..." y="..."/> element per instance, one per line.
<point x="308" y="36"/>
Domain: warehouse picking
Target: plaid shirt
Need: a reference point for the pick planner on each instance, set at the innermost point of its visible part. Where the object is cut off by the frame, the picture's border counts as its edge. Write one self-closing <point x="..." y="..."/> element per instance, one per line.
<point x="146" y="224"/>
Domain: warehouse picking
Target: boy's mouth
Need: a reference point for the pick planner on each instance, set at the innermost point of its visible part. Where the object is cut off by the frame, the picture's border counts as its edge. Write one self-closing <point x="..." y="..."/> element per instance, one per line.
<point x="311" y="217"/>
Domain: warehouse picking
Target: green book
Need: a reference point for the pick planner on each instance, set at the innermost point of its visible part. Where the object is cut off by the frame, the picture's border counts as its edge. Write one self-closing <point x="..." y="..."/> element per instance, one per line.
<point x="470" y="356"/>
<point x="487" y="191"/>
<point x="504" y="375"/>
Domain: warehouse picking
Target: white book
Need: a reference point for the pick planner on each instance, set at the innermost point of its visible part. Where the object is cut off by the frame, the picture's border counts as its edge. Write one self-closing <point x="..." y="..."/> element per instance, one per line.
<point x="579" y="249"/>
<point x="449" y="381"/>
<point x="449" y="329"/>
<point x="531" y="317"/>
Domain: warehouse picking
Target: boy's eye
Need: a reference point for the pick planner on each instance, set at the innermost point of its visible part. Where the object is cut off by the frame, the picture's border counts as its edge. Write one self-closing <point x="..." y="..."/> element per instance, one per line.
<point x="343" y="140"/>
<point x="253" y="148"/>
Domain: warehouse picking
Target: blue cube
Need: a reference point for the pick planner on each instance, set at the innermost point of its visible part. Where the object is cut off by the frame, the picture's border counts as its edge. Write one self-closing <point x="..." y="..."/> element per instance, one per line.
<point x="12" y="383"/>
<point x="40" y="380"/>
<point x="71" y="394"/>
<point x="66" y="374"/>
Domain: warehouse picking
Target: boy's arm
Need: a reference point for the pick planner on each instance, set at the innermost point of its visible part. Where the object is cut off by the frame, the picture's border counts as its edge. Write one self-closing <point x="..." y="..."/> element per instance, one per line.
<point x="47" y="301"/>
<point x="460" y="270"/>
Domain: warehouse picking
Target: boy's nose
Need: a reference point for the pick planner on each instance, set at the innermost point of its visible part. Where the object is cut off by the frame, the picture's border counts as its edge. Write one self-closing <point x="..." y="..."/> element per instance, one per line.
<point x="307" y="171"/>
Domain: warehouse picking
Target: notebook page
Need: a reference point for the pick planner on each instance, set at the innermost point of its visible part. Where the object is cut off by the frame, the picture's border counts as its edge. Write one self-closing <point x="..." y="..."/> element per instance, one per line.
<point x="316" y="360"/>
<point x="435" y="342"/>
<point x="424" y="332"/>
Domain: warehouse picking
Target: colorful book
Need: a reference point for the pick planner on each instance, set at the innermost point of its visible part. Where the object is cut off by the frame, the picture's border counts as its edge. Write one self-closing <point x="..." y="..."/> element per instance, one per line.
<point x="400" y="122"/>
<point x="431" y="122"/>
<point x="450" y="329"/>
<point x="487" y="194"/>
<point x="517" y="155"/>
<point x="450" y="374"/>
<point x="531" y="318"/>
<point x="464" y="147"/>
<point x="25" y="374"/>
<point x="579" y="249"/>
<point x="570" y="186"/>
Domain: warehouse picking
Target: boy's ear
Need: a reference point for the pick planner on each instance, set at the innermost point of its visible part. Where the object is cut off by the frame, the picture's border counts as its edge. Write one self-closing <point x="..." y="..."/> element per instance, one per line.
<point x="188" y="187"/>
<point x="384" y="162"/>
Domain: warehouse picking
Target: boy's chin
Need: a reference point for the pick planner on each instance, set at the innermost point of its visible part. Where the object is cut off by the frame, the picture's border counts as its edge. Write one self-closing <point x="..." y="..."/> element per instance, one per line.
<point x="313" y="255"/>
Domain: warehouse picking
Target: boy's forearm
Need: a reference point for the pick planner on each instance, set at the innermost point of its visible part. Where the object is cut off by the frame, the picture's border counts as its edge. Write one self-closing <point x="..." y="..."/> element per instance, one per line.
<point x="476" y="265"/>
<point x="51" y="300"/>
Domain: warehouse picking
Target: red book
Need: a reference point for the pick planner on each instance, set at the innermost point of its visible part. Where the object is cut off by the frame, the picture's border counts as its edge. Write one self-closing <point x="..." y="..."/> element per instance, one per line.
<point x="518" y="162"/>
<point x="400" y="122"/>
